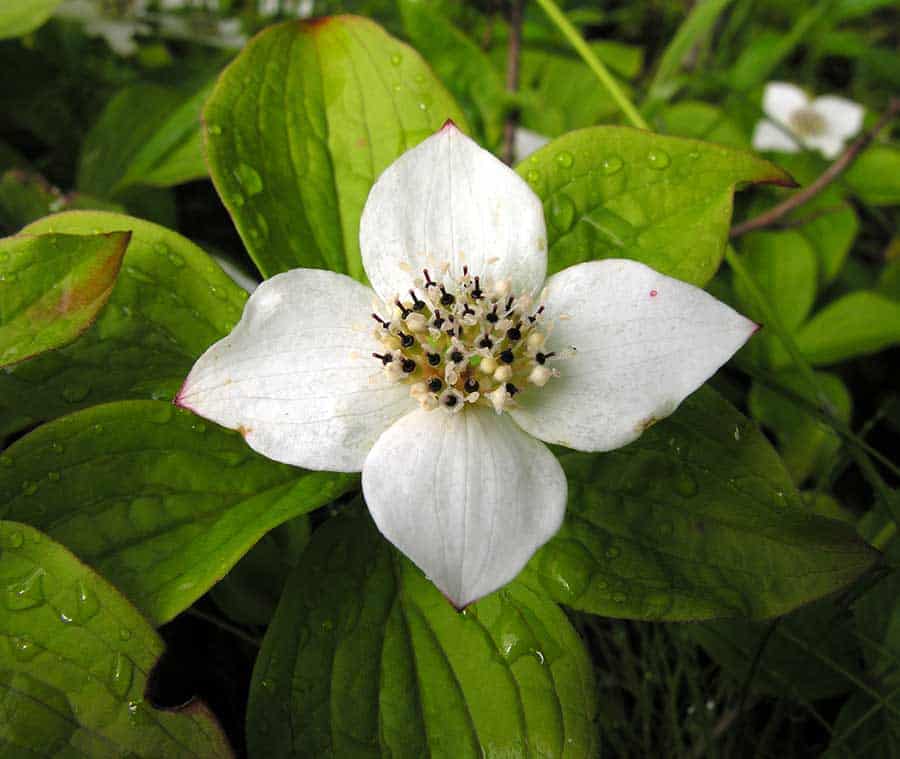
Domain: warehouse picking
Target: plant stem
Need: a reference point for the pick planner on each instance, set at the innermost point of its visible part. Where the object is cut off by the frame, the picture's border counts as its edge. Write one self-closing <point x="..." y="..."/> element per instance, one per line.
<point x="512" y="77"/>
<point x="593" y="62"/>
<point x="226" y="626"/>
<point x="843" y="162"/>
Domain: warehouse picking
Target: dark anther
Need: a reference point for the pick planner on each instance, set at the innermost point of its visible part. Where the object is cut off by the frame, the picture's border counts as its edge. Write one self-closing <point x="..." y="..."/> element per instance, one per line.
<point x="507" y="356"/>
<point x="417" y="304"/>
<point x="408" y="365"/>
<point x="471" y="385"/>
<point x="438" y="320"/>
<point x="385" y="358"/>
<point x="509" y="304"/>
<point x="459" y="331"/>
<point x="467" y="311"/>
<point x="457" y="357"/>
<point x="492" y="316"/>
<point x="450" y="400"/>
<point x="447" y="299"/>
<point x="477" y="293"/>
<point x="542" y="357"/>
<point x="485" y="342"/>
<point x="403" y="309"/>
<point x="428" y="282"/>
<point x="407" y="341"/>
<point x="511" y="389"/>
<point x="381" y="321"/>
<point x="435" y="384"/>
<point x="465" y="271"/>
<point x="434" y="359"/>
<point x="537" y="313"/>
<point x="514" y="333"/>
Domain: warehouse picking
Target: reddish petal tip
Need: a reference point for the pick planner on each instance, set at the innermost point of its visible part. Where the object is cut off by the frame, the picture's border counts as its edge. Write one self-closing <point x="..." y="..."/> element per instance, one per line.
<point x="449" y="124"/>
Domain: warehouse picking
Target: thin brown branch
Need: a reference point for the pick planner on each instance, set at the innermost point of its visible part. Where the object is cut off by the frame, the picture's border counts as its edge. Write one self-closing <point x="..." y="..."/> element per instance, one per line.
<point x="843" y="162"/>
<point x="512" y="76"/>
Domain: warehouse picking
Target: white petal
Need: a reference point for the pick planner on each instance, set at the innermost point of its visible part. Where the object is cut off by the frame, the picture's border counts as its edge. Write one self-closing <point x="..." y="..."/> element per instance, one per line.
<point x="829" y="145"/>
<point x="643" y="341"/>
<point x="525" y="142"/>
<point x="781" y="99"/>
<point x="769" y="136"/>
<point x="297" y="376"/>
<point x="447" y="201"/>
<point x="843" y="117"/>
<point x="468" y="497"/>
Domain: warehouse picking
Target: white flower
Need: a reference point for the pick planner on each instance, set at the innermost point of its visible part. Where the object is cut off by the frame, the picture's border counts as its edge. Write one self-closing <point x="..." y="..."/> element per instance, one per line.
<point x="323" y="373"/>
<point x="823" y="124"/>
<point x="118" y="31"/>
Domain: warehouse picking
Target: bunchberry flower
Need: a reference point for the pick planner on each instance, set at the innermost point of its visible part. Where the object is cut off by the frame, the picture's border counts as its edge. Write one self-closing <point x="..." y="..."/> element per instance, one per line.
<point x="795" y="121"/>
<point x="441" y="384"/>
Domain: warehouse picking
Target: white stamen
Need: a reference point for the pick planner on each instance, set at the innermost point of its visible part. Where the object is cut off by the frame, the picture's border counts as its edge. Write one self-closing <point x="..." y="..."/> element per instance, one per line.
<point x="503" y="373"/>
<point x="540" y="375"/>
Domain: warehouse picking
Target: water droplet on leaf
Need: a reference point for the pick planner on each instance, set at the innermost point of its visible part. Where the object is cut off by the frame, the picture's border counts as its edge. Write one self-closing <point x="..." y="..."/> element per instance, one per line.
<point x="565" y="159"/>
<point x="612" y="165"/>
<point x="562" y="212"/>
<point x="249" y="179"/>
<point x="26" y="592"/>
<point x="75" y="393"/>
<point x="658" y="159"/>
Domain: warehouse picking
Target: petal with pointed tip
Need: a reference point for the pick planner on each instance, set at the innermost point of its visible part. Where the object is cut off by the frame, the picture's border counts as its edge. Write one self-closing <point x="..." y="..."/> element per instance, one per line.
<point x="782" y="99"/>
<point x="769" y="136"/>
<point x="643" y="342"/>
<point x="297" y="376"/>
<point x="467" y="497"/>
<point x="448" y="201"/>
<point x="843" y="117"/>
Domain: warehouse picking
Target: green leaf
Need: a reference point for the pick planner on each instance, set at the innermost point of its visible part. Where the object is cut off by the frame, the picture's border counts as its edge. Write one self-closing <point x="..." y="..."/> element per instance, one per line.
<point x="463" y="66"/>
<point x="18" y="17"/>
<point x="830" y="227"/>
<point x="170" y="303"/>
<point x="806" y="445"/>
<point x="158" y="501"/>
<point x="697" y="519"/>
<point x="787" y="668"/>
<point x="75" y="663"/>
<point x="52" y="287"/>
<point x="617" y="192"/>
<point x="691" y="34"/>
<point x="366" y="658"/>
<point x="854" y="325"/>
<point x="702" y="121"/>
<point x="301" y="124"/>
<point x="147" y="134"/>
<point x="874" y="177"/>
<point x="249" y="593"/>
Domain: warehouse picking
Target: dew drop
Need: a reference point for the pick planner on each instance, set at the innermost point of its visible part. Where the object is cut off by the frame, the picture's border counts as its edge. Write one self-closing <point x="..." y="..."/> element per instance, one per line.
<point x="26" y="592"/>
<point x="249" y="179"/>
<point x="176" y="260"/>
<point x="29" y="487"/>
<point x="613" y="552"/>
<point x="121" y="674"/>
<point x="533" y="176"/>
<point x="562" y="212"/>
<point x="656" y="605"/>
<point x="566" y="570"/>
<point x="198" y="427"/>
<point x="15" y="539"/>
<point x="56" y="447"/>
<point x="612" y="165"/>
<point x="139" y="275"/>
<point x="694" y="155"/>
<point x="23" y="648"/>
<point x="565" y="159"/>
<point x="80" y="605"/>
<point x="237" y="199"/>
<point x="396" y="59"/>
<point x="658" y="159"/>
<point x="4" y="256"/>
<point x="53" y="476"/>
<point x="9" y="276"/>
<point x="124" y="634"/>
<point x="218" y="292"/>
<point x="76" y="393"/>
<point x="6" y="460"/>
<point x="97" y="428"/>
<point x="619" y="597"/>
<point x="215" y="129"/>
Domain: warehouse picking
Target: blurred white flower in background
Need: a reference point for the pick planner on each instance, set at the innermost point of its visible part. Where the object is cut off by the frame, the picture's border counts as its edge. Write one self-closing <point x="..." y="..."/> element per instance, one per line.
<point x="117" y="24"/>
<point x="796" y="121"/>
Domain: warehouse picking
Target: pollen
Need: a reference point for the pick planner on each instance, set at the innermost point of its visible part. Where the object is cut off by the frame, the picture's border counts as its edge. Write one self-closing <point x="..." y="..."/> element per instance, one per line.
<point x="466" y="341"/>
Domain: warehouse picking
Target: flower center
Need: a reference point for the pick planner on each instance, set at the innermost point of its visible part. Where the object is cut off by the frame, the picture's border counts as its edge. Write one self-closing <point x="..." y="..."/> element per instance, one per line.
<point x="807" y="123"/>
<point x="470" y="341"/>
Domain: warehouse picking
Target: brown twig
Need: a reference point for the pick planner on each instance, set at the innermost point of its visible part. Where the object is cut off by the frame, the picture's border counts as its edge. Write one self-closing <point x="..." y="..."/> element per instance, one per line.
<point x="843" y="162"/>
<point x="512" y="76"/>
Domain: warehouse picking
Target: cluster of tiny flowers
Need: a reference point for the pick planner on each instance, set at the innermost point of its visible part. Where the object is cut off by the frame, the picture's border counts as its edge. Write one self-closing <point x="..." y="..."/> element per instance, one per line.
<point x="469" y="342"/>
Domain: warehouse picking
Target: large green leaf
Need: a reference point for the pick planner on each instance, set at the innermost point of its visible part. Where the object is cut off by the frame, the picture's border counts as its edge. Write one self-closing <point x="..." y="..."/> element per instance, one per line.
<point x="875" y="176"/>
<point x="147" y="134"/>
<point x="697" y="519"/>
<point x="160" y="502"/>
<point x="170" y="303"/>
<point x="52" y="287"/>
<point x="463" y="66"/>
<point x="365" y="658"/>
<point x="18" y="17"/>
<point x="75" y="663"/>
<point x="617" y="192"/>
<point x="301" y="124"/>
